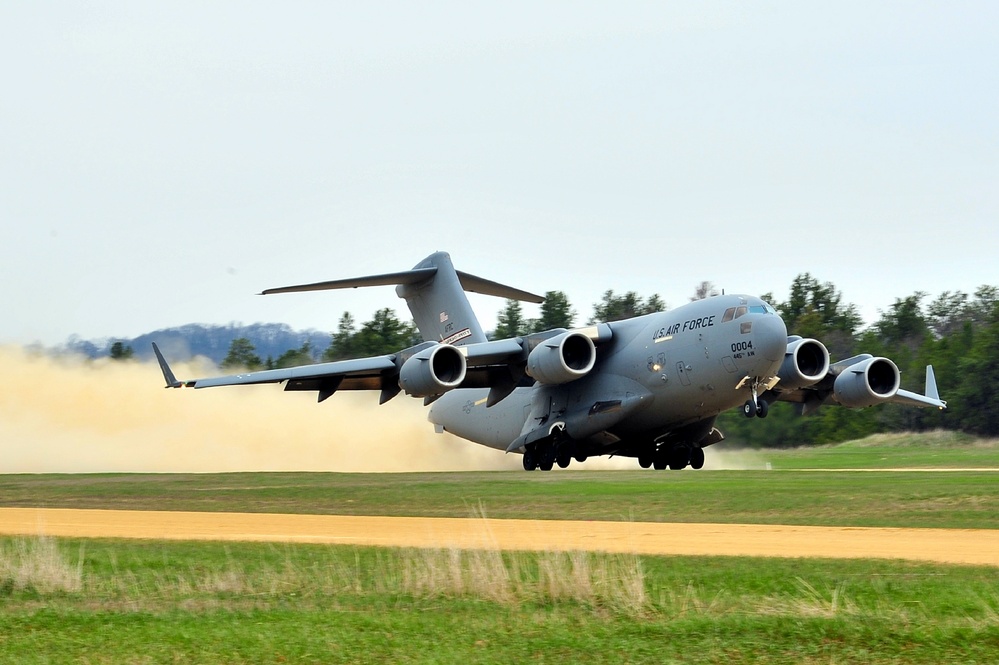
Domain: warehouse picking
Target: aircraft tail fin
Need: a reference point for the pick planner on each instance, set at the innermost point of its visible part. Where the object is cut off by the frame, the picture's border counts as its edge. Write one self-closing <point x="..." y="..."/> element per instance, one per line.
<point x="435" y="294"/>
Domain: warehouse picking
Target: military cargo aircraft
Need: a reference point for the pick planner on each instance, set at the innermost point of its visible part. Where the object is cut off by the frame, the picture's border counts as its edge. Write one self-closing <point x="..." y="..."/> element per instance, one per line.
<point x="648" y="387"/>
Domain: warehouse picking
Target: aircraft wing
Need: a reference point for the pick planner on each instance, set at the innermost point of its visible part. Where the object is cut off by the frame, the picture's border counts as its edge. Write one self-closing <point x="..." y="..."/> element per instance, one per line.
<point x="499" y="365"/>
<point x="858" y="382"/>
<point x="326" y="378"/>
<point x="931" y="398"/>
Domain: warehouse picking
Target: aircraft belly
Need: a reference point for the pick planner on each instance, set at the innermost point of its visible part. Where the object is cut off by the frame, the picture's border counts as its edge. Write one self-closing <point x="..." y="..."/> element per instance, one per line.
<point x="463" y="412"/>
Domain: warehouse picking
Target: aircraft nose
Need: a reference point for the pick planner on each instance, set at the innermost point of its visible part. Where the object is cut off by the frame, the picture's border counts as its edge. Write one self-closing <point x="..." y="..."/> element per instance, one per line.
<point x="771" y="336"/>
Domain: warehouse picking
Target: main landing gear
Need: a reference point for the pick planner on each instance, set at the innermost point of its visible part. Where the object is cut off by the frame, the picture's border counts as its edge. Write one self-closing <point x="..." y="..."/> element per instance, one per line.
<point x="675" y="458"/>
<point x="547" y="453"/>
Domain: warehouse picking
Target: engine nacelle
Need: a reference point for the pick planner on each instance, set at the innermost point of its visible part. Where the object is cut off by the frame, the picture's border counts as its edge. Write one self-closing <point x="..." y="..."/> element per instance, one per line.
<point x="562" y="358"/>
<point x="433" y="371"/>
<point x="867" y="383"/>
<point x="806" y="362"/>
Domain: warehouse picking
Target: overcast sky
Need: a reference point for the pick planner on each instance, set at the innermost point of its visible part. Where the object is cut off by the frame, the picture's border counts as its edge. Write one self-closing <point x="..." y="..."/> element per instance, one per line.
<point x="160" y="163"/>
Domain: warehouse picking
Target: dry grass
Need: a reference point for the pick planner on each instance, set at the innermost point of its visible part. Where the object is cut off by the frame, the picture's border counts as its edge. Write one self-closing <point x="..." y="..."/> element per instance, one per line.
<point x="37" y="564"/>
<point x="611" y="582"/>
<point x="606" y="585"/>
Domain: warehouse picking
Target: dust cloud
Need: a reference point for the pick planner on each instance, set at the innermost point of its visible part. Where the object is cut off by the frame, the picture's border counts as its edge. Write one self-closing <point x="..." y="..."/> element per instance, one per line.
<point x="69" y="415"/>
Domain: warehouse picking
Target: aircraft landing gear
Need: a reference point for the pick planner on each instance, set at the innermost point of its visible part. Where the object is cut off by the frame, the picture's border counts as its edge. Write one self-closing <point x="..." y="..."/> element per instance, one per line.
<point x="675" y="458"/>
<point x="679" y="457"/>
<point x="563" y="454"/>
<point x="530" y="459"/>
<point x="546" y="457"/>
<point x="760" y="409"/>
<point x="545" y="454"/>
<point x="755" y="406"/>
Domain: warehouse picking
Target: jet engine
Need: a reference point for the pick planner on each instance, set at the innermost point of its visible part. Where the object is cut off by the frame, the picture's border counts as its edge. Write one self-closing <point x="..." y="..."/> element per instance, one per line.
<point x="806" y="362"/>
<point x="562" y="358"/>
<point x="433" y="371"/>
<point x="866" y="383"/>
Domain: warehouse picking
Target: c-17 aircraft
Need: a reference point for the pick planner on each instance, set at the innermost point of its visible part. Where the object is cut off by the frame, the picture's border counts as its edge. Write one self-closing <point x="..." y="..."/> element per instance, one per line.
<point x="648" y="387"/>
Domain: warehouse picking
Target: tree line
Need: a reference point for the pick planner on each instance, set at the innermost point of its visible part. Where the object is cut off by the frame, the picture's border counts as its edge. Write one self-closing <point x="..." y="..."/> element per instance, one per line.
<point x="956" y="332"/>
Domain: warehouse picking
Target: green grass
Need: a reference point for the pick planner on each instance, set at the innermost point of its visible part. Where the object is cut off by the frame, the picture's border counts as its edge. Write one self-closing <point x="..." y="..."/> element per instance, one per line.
<point x="103" y="601"/>
<point x="789" y="494"/>
<point x="934" y="450"/>
<point x="151" y="602"/>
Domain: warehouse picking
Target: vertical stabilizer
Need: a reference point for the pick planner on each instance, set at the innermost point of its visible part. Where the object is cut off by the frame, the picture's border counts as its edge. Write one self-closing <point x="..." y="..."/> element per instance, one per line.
<point x="439" y="304"/>
<point x="435" y="293"/>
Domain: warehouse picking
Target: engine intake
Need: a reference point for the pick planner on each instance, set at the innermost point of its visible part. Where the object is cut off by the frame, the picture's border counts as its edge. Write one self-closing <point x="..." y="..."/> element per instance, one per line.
<point x="806" y="362"/>
<point x="867" y="383"/>
<point x="562" y="358"/>
<point x="433" y="371"/>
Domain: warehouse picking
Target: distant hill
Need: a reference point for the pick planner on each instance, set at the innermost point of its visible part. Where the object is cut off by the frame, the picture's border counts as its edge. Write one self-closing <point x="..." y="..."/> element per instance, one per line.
<point x="184" y="342"/>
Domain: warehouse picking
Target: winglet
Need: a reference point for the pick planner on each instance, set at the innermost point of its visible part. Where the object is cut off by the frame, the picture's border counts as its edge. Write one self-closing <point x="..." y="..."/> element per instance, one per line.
<point x="171" y="380"/>
<point x="930" y="398"/>
<point x="931" y="384"/>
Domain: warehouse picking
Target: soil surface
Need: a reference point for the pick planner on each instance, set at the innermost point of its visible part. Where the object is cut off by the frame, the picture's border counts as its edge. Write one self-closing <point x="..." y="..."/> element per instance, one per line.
<point x="962" y="546"/>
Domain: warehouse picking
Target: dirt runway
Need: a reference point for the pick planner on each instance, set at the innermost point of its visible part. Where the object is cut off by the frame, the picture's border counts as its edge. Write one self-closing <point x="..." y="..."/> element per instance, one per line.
<point x="963" y="546"/>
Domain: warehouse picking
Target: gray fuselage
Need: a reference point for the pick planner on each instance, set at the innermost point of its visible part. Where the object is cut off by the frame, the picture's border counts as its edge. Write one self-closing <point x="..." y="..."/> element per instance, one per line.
<point x="667" y="370"/>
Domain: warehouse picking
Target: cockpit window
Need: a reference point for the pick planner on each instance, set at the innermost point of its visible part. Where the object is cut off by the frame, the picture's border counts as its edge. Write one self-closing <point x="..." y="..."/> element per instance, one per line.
<point x="735" y="312"/>
<point x="758" y="309"/>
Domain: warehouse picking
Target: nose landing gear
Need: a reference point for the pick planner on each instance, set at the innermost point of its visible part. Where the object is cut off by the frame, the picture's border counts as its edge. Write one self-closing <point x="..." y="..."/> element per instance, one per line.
<point x="756" y="407"/>
<point x="760" y="408"/>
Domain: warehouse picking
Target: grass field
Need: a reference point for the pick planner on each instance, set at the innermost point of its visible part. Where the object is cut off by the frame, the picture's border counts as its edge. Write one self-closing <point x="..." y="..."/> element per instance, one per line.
<point x="786" y="495"/>
<point x="98" y="601"/>
<point x="154" y="602"/>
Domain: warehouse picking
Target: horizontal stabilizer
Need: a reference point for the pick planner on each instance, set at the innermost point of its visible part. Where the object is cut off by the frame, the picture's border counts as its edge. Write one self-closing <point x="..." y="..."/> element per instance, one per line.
<point x="389" y="279"/>
<point x="468" y="283"/>
<point x="490" y="288"/>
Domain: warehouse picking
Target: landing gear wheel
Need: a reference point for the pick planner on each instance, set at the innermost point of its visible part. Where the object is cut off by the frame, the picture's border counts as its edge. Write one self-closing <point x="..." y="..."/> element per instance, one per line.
<point x="530" y="460"/>
<point x="678" y="458"/>
<point x="696" y="458"/>
<point x="580" y="458"/>
<point x="749" y="409"/>
<point x="659" y="460"/>
<point x="762" y="409"/>
<point x="546" y="457"/>
<point x="563" y="455"/>
<point x="644" y="461"/>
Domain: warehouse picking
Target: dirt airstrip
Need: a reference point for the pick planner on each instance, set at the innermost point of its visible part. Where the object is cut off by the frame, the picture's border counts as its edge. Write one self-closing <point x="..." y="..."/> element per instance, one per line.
<point x="962" y="546"/>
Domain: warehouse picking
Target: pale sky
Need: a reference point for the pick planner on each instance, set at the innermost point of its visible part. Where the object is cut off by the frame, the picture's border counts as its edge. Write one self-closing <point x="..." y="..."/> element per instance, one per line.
<point x="160" y="163"/>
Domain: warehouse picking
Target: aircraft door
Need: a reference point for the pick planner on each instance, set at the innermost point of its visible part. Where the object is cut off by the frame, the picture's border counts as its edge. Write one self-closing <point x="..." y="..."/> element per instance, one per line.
<point x="681" y="370"/>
